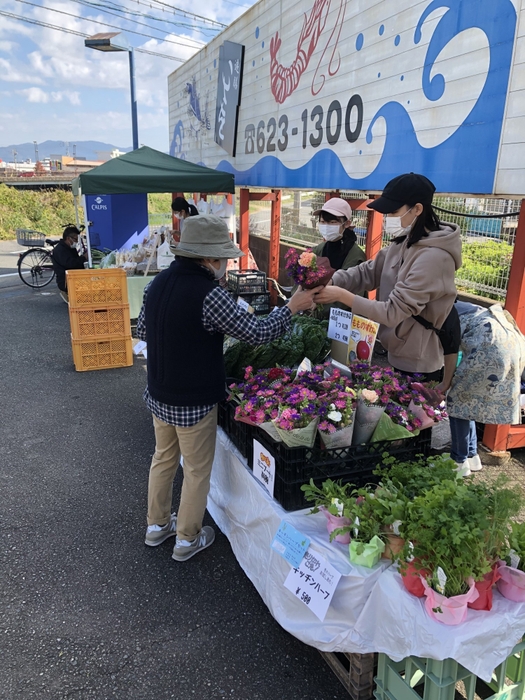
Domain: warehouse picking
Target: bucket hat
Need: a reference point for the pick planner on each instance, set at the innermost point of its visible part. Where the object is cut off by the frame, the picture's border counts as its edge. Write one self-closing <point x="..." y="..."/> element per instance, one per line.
<point x="337" y="207"/>
<point x="206" y="236"/>
<point x="409" y="188"/>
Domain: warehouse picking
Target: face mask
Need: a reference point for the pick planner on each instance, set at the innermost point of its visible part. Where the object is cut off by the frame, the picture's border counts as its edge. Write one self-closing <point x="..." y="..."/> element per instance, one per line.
<point x="178" y="215"/>
<point x="330" y="232"/>
<point x="393" y="226"/>
<point x="222" y="269"/>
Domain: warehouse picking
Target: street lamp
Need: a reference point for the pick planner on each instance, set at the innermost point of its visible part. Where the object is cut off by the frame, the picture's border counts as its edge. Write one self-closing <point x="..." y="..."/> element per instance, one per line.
<point x="36" y="151"/>
<point x="108" y="42"/>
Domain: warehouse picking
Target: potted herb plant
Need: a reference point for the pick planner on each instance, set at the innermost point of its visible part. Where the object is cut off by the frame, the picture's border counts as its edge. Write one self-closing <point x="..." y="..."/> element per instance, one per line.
<point x="511" y="584"/>
<point x="445" y="529"/>
<point x="367" y="543"/>
<point x="331" y="499"/>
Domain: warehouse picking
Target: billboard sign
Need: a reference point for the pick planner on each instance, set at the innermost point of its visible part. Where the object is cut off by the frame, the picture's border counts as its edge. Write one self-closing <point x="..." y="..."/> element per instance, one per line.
<point x="345" y="94"/>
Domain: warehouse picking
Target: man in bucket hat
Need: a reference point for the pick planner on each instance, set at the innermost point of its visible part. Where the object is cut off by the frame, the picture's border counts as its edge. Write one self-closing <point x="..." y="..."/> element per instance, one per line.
<point x="184" y="318"/>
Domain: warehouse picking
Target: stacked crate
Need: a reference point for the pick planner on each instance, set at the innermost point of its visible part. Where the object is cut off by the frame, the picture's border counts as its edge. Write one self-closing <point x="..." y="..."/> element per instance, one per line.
<point x="251" y="286"/>
<point x="99" y="318"/>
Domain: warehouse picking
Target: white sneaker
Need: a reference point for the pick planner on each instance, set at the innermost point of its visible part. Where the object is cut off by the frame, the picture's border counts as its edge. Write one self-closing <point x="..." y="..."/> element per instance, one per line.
<point x="474" y="463"/>
<point x="463" y="468"/>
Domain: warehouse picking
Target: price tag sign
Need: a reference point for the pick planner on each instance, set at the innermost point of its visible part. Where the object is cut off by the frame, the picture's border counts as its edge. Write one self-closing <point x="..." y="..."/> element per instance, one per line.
<point x="290" y="543"/>
<point x="140" y="347"/>
<point x="263" y="466"/>
<point x="244" y="304"/>
<point x="339" y="325"/>
<point x="314" y="582"/>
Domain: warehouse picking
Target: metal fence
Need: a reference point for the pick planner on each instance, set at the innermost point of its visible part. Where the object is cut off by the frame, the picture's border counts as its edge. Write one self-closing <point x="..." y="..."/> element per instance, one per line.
<point x="488" y="230"/>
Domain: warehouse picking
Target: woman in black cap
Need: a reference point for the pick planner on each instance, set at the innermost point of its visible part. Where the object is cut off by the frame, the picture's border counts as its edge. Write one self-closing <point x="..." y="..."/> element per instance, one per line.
<point x="413" y="276"/>
<point x="182" y="209"/>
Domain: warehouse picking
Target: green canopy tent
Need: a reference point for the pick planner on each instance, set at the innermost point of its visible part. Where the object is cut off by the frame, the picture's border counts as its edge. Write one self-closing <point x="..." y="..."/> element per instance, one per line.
<point x="148" y="170"/>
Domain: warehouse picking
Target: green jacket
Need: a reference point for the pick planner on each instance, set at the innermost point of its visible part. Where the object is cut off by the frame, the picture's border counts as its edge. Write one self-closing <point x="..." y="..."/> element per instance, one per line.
<point x="356" y="255"/>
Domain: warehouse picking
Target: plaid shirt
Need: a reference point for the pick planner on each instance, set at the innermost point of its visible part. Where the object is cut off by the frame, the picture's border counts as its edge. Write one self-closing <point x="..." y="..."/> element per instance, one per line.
<point x="220" y="314"/>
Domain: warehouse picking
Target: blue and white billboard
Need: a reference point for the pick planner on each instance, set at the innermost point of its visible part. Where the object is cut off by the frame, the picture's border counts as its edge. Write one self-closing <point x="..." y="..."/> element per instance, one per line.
<point x="347" y="94"/>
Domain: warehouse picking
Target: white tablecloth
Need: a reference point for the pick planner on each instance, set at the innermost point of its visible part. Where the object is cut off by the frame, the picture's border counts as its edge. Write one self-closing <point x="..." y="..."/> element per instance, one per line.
<point x="371" y="610"/>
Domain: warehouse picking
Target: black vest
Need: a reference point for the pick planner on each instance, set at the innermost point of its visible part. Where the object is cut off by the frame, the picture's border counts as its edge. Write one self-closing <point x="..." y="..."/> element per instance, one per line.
<point x="185" y="362"/>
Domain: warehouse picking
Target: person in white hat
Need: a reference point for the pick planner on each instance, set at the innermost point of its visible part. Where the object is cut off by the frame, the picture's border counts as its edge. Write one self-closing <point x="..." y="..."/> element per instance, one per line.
<point x="339" y="242"/>
<point x="184" y="318"/>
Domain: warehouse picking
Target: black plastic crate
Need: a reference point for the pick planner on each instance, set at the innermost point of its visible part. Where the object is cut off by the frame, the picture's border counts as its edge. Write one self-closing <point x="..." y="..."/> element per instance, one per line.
<point x="241" y="434"/>
<point x="260" y="303"/>
<point x="296" y="466"/>
<point x="247" y="282"/>
<point x="303" y="463"/>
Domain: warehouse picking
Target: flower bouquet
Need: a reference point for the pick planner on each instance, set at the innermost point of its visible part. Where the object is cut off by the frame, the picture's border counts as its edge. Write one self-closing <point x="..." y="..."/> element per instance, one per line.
<point x="260" y="410"/>
<point x="426" y="408"/>
<point x="336" y="426"/>
<point x="368" y="412"/>
<point x="297" y="421"/>
<point x="307" y="269"/>
<point x="396" y="423"/>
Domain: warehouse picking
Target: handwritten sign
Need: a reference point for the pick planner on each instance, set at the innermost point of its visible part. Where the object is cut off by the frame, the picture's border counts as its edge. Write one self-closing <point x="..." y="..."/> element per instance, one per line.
<point x="290" y="543"/>
<point x="314" y="582"/>
<point x="263" y="466"/>
<point x="363" y="334"/>
<point x="339" y="325"/>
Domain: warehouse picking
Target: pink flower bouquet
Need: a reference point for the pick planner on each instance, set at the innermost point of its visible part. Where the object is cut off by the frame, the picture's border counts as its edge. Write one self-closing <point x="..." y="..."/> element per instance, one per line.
<point x="307" y="269"/>
<point x="336" y="426"/>
<point x="298" y="417"/>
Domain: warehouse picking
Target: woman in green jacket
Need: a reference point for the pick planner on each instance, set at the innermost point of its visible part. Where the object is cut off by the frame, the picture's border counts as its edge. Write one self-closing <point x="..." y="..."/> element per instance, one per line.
<point x="339" y="243"/>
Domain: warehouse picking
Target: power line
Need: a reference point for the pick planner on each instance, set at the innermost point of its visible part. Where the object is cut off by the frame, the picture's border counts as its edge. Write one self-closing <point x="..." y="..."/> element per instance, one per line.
<point x="125" y="10"/>
<point x="112" y="26"/>
<point x="185" y="13"/>
<point x="81" y="34"/>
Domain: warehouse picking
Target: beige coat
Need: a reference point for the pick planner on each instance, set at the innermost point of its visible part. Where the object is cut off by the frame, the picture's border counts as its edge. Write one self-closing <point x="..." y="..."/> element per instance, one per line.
<point x="409" y="281"/>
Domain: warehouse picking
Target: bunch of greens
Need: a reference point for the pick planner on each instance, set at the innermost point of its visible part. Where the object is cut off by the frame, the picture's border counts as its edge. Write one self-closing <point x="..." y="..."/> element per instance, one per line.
<point x="306" y="338"/>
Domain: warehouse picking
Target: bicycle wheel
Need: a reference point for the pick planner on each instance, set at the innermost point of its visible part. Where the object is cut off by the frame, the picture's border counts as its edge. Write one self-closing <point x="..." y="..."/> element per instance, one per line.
<point x="35" y="268"/>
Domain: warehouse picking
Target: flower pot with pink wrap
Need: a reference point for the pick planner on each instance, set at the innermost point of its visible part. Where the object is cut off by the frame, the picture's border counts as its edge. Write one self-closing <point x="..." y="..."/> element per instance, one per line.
<point x="331" y="499"/>
<point x="511" y="570"/>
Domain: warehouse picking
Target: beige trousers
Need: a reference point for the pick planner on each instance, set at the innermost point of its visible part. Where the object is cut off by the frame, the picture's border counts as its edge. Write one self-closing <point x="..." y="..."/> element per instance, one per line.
<point x="197" y="447"/>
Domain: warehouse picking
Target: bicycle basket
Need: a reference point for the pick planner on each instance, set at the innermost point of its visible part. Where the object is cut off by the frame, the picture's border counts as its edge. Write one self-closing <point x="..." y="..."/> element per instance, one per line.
<point x="30" y="238"/>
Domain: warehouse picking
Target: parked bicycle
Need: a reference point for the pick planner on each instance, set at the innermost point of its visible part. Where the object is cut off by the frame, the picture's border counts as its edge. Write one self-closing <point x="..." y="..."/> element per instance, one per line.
<point x="35" y="266"/>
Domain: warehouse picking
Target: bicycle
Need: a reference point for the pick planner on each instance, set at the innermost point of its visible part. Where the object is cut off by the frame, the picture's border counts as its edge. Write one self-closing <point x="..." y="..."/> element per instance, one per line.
<point x="35" y="266"/>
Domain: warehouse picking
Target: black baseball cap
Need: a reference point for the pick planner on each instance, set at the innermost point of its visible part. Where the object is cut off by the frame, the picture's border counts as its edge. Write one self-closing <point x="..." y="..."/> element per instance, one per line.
<point x="409" y="188"/>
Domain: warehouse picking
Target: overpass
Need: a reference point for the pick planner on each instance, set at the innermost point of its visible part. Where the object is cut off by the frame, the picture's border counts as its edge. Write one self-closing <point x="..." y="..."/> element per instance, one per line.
<point x="55" y="180"/>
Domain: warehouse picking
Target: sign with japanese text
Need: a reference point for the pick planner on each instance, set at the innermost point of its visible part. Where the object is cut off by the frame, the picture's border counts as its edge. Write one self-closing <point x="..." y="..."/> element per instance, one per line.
<point x="339" y="325"/>
<point x="314" y="582"/>
<point x="346" y="95"/>
<point x="290" y="543"/>
<point x="363" y="333"/>
<point x="263" y="466"/>
<point x="229" y="85"/>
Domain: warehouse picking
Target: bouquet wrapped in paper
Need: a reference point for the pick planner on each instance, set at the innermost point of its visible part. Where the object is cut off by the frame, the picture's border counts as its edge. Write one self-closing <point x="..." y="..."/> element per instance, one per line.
<point x="368" y="412"/>
<point x="336" y="426"/>
<point x="298" y="418"/>
<point x="307" y="269"/>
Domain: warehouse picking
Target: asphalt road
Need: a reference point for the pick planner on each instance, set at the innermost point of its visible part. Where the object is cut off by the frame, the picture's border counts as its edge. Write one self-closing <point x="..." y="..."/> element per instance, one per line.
<point x="86" y="610"/>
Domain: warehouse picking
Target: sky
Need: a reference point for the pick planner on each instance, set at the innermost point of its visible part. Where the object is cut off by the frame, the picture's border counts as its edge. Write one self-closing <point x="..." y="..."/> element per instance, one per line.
<point x="52" y="87"/>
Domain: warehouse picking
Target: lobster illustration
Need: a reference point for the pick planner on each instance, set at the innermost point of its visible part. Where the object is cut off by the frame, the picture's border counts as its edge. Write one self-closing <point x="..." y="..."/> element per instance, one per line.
<point x="285" y="80"/>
